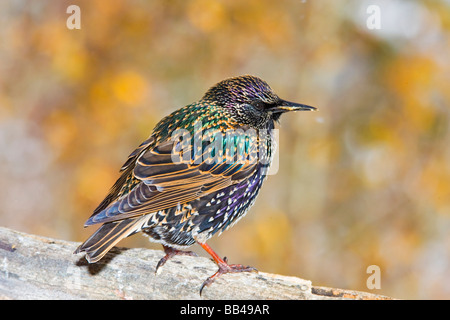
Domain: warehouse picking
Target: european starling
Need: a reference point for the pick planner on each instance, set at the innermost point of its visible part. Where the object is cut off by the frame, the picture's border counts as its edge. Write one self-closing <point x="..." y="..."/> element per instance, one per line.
<point x="197" y="174"/>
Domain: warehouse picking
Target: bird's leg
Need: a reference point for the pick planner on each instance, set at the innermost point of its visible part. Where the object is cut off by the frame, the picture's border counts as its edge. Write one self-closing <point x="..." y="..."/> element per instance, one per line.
<point x="171" y="252"/>
<point x="224" y="267"/>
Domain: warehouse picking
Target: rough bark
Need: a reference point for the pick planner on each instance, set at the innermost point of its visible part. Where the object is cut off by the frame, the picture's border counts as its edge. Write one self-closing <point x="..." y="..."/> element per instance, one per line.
<point x="35" y="267"/>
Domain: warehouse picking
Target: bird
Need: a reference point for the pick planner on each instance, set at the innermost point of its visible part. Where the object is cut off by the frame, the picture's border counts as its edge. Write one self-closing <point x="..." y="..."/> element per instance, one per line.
<point x="197" y="174"/>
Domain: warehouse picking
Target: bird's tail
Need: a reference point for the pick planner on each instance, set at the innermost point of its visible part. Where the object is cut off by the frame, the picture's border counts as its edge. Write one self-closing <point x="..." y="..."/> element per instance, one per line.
<point x="108" y="235"/>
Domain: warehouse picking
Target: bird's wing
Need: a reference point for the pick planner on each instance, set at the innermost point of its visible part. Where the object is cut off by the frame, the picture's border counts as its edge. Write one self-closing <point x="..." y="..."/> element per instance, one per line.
<point x="160" y="183"/>
<point x="126" y="179"/>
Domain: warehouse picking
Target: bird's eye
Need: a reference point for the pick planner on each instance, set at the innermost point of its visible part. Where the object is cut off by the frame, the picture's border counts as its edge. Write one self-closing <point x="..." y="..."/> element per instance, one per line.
<point x="264" y="106"/>
<point x="261" y="105"/>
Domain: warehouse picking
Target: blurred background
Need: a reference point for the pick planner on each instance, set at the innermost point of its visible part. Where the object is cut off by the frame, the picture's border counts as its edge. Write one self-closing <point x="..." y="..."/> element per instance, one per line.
<point x="364" y="181"/>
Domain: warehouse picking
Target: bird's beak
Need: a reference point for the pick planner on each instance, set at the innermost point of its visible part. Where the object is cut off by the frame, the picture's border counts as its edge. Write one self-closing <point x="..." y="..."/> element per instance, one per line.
<point x="285" y="106"/>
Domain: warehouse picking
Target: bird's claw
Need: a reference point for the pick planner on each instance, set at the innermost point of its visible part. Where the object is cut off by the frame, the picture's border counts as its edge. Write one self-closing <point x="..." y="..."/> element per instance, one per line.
<point x="226" y="268"/>
<point x="170" y="253"/>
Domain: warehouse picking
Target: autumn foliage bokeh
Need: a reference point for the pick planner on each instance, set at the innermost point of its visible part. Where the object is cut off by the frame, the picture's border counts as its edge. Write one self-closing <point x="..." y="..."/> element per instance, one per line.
<point x="364" y="181"/>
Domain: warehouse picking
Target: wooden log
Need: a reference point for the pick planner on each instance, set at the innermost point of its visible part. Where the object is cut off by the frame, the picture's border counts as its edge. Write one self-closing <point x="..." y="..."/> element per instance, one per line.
<point x="35" y="267"/>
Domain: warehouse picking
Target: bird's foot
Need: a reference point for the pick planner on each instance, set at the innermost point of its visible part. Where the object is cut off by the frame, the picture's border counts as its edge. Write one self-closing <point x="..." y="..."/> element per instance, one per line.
<point x="170" y="253"/>
<point x="224" y="267"/>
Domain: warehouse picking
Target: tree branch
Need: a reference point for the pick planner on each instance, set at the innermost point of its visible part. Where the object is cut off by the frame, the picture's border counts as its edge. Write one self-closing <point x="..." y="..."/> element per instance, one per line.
<point x="35" y="267"/>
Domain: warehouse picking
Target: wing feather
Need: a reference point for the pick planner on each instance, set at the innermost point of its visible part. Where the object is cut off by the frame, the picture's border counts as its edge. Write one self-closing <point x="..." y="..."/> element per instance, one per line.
<point x="159" y="183"/>
<point x="107" y="236"/>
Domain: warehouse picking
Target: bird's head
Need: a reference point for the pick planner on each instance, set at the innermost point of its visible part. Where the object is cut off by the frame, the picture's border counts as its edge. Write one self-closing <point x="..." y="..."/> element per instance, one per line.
<point x="251" y="101"/>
